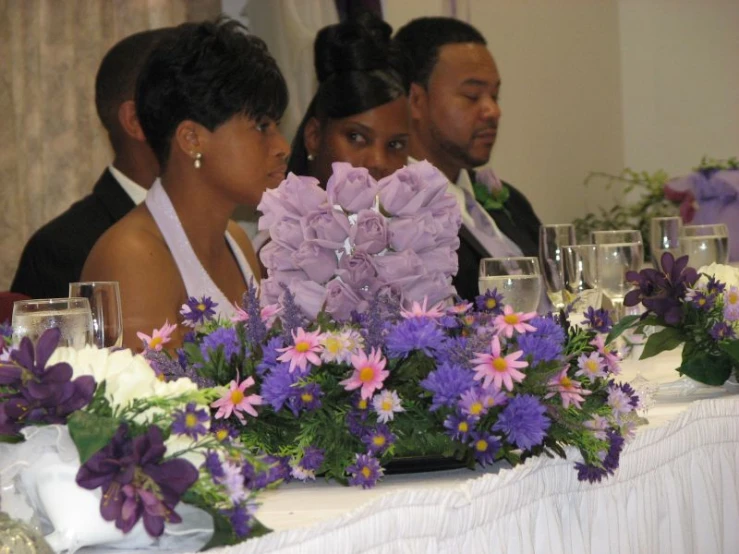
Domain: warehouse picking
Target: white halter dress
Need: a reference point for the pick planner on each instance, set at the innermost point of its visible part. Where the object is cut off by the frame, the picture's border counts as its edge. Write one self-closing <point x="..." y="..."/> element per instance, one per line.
<point x="197" y="281"/>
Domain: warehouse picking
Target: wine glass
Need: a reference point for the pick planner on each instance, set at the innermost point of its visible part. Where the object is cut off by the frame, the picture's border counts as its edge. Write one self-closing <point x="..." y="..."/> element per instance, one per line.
<point x="617" y="253"/>
<point x="664" y="236"/>
<point x="70" y="315"/>
<point x="105" y="306"/>
<point x="705" y="244"/>
<point x="551" y="239"/>
<point x="517" y="279"/>
<point x="580" y="278"/>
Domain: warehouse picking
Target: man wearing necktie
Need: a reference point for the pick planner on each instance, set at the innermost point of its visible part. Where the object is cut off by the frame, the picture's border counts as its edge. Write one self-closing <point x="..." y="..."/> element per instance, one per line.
<point x="454" y="91"/>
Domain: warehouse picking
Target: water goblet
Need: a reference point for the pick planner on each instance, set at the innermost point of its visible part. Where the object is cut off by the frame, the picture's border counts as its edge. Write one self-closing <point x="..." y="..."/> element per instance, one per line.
<point x="617" y="253"/>
<point x="705" y="244"/>
<point x="105" y="307"/>
<point x="580" y="282"/>
<point x="70" y="315"/>
<point x="664" y="236"/>
<point x="517" y="279"/>
<point x="551" y="239"/>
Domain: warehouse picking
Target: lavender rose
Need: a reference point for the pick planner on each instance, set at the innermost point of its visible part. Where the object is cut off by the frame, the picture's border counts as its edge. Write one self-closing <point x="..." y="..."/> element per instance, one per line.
<point x="440" y="260"/>
<point x="358" y="270"/>
<point x="294" y="198"/>
<point x="309" y="296"/>
<point x="434" y="288"/>
<point x="328" y="226"/>
<point x="276" y="257"/>
<point x="435" y="181"/>
<point x="399" y="265"/>
<point x="287" y="232"/>
<point x="370" y="232"/>
<point x="319" y="263"/>
<point x="416" y="233"/>
<point x="342" y="300"/>
<point x="352" y="188"/>
<point x="271" y="289"/>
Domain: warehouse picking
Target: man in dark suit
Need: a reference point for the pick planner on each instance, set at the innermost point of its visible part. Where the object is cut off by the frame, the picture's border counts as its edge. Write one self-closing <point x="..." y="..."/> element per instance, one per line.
<point x="55" y="254"/>
<point x="454" y="93"/>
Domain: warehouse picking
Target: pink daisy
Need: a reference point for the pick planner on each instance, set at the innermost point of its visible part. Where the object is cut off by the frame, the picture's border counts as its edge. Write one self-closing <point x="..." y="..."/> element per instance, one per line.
<point x="499" y="370"/>
<point x="369" y="373"/>
<point x="569" y="389"/>
<point x="235" y="401"/>
<point x="159" y="337"/>
<point x="268" y="314"/>
<point x="611" y="357"/>
<point x="510" y="321"/>
<point x="591" y="366"/>
<point x="306" y="348"/>
<point x="419" y="310"/>
<point x="460" y="309"/>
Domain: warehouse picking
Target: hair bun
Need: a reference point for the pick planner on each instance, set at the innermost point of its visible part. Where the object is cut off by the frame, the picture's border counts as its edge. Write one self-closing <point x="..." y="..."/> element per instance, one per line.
<point x="362" y="44"/>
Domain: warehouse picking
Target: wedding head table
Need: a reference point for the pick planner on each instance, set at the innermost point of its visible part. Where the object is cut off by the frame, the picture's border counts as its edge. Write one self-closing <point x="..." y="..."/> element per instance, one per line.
<point x="676" y="491"/>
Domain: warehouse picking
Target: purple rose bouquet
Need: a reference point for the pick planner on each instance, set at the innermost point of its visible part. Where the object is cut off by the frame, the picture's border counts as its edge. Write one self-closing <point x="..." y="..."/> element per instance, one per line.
<point x="342" y="396"/>
<point x="339" y="248"/>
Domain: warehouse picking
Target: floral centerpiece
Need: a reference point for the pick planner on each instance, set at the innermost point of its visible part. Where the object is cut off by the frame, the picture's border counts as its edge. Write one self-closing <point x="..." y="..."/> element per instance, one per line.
<point x="143" y="445"/>
<point x="698" y="309"/>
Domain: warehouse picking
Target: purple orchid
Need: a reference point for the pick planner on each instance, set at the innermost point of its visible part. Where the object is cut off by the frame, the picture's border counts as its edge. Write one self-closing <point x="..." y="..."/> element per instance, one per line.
<point x="662" y="292"/>
<point x="35" y="393"/>
<point x="136" y="482"/>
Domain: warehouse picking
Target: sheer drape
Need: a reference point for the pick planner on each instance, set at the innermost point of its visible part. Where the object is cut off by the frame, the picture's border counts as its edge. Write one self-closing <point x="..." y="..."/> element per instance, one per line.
<point x="53" y="146"/>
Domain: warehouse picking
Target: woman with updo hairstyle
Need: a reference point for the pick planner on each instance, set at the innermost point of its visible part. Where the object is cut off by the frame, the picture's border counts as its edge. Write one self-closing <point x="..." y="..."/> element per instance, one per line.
<point x="360" y="112"/>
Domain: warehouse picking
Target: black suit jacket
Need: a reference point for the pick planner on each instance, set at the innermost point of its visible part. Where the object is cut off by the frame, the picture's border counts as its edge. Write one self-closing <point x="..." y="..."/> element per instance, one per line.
<point x="520" y="224"/>
<point x="56" y="253"/>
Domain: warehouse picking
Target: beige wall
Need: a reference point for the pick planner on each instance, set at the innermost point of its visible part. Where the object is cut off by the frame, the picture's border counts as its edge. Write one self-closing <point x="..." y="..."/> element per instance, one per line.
<point x="561" y="94"/>
<point x="680" y="81"/>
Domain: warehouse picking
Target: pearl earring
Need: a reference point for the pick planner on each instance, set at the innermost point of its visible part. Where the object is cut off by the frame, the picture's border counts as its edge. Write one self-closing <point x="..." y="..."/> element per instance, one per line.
<point x="198" y="160"/>
<point x="311" y="157"/>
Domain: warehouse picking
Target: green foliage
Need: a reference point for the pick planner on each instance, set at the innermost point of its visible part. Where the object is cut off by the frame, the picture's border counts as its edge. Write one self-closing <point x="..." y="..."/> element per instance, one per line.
<point x="90" y="432"/>
<point x="668" y="338"/>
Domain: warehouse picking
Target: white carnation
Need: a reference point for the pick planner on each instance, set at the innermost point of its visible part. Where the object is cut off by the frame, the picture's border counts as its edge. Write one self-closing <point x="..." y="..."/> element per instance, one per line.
<point x="723" y="273"/>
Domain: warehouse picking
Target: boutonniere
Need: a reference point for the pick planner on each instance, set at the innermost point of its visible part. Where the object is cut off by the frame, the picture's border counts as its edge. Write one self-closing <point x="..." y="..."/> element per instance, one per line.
<point x="490" y="191"/>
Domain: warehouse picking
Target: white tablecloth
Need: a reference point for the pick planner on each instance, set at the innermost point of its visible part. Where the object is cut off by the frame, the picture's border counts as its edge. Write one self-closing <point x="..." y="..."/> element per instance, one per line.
<point x="677" y="491"/>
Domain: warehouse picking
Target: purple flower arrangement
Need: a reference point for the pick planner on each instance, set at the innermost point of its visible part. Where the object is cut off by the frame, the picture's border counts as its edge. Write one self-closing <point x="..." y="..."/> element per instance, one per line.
<point x="689" y="308"/>
<point x="477" y="382"/>
<point x="337" y="249"/>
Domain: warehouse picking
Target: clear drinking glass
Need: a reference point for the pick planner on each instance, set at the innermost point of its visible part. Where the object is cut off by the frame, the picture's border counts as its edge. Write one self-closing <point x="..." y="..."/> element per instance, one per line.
<point x="664" y="236"/>
<point x="551" y="239"/>
<point x="105" y="306"/>
<point x="580" y="277"/>
<point x="705" y="244"/>
<point x="70" y="315"/>
<point x="617" y="253"/>
<point x="517" y="279"/>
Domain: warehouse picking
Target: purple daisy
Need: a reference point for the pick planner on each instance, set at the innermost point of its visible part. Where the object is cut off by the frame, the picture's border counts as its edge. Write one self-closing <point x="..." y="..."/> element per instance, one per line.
<point x="420" y="333"/>
<point x="190" y="422"/>
<point x="458" y="426"/>
<point x="223" y="430"/>
<point x="378" y="440"/>
<point x="365" y="471"/>
<point x="491" y="302"/>
<point x="599" y="320"/>
<point x="702" y="300"/>
<point x="197" y="311"/>
<point x="213" y="465"/>
<point x="241" y="516"/>
<point x="523" y="421"/>
<point x="715" y="287"/>
<point x="312" y="458"/>
<point x="589" y="473"/>
<point x="485" y="447"/>
<point x="472" y="403"/>
<point x="446" y="383"/>
<point x="307" y="397"/>
<point x="722" y="331"/>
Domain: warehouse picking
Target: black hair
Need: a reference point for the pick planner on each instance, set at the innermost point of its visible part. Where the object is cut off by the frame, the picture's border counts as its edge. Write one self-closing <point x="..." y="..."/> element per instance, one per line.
<point x="422" y="38"/>
<point x="206" y="72"/>
<point x="115" y="81"/>
<point x="358" y="69"/>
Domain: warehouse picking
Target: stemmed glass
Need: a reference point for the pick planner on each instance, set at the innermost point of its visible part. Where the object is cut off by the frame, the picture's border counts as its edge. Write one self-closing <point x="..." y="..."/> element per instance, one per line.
<point x="705" y="244"/>
<point x="105" y="306"/>
<point x="551" y="239"/>
<point x="517" y="279"/>
<point x="580" y="278"/>
<point x="664" y="236"/>
<point x="617" y="253"/>
<point x="70" y="315"/>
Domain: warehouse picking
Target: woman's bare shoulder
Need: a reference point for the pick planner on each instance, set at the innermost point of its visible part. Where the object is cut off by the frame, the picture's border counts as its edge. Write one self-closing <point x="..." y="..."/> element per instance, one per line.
<point x="242" y="239"/>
